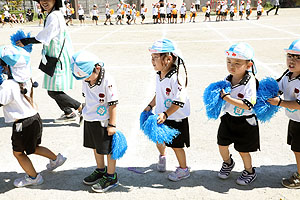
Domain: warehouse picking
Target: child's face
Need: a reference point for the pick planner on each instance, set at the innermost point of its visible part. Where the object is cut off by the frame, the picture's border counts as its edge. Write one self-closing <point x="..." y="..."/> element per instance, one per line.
<point x="93" y="77"/>
<point x="159" y="62"/>
<point x="47" y="4"/>
<point x="238" y="67"/>
<point x="293" y="62"/>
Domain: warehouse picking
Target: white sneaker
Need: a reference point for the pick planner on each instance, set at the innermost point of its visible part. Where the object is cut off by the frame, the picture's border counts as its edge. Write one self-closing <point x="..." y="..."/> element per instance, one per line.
<point x="26" y="181"/>
<point x="161" y="165"/>
<point x="179" y="174"/>
<point x="53" y="164"/>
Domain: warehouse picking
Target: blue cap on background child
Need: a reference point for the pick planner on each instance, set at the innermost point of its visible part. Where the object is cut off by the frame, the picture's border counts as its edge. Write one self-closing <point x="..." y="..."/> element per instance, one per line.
<point x="294" y="48"/>
<point x="165" y="46"/>
<point x="83" y="64"/>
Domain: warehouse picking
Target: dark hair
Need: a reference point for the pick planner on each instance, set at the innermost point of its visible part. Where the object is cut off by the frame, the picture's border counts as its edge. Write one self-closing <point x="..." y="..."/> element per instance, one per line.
<point x="24" y="92"/>
<point x="57" y="5"/>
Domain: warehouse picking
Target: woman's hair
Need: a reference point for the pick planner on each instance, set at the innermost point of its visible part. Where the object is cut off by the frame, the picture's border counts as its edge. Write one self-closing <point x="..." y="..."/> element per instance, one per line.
<point x="175" y="64"/>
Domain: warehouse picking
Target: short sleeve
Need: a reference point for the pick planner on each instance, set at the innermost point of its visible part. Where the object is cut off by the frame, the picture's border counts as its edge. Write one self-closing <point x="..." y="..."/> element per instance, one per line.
<point x="111" y="91"/>
<point x="50" y="31"/>
<point x="5" y="94"/>
<point x="179" y="92"/>
<point x="250" y="93"/>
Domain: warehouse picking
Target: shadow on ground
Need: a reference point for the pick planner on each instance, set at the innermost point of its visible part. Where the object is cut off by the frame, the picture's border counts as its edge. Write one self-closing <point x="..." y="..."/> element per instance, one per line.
<point x="46" y="123"/>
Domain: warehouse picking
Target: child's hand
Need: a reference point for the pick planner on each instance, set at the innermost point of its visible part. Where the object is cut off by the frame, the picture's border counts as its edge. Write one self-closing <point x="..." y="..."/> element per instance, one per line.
<point x="274" y="101"/>
<point x="161" y="118"/>
<point x="19" y="43"/>
<point x="111" y="130"/>
<point x="223" y="94"/>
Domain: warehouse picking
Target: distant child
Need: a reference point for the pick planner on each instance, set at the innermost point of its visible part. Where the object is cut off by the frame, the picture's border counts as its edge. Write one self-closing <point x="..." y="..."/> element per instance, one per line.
<point x="127" y="13"/>
<point x="232" y="10"/>
<point x="95" y="14"/>
<point x="69" y="14"/>
<point x="107" y="15"/>
<point x="242" y="8"/>
<point x="174" y="12"/>
<point x="40" y="14"/>
<point x="14" y="19"/>
<point x="81" y="15"/>
<point x="207" y="12"/>
<point x="218" y="11"/>
<point x="22" y="20"/>
<point x="248" y="9"/>
<point x="259" y="9"/>
<point x="119" y="14"/>
<point x="223" y="10"/>
<point x="289" y="86"/>
<point x="171" y="104"/>
<point x="143" y="12"/>
<point x="169" y="11"/>
<point x="182" y="13"/>
<point x="133" y="14"/>
<point x="239" y="125"/>
<point x="154" y="13"/>
<point x="162" y="13"/>
<point x="193" y="12"/>
<point x="99" y="113"/>
<point x="7" y="17"/>
<point x="16" y="97"/>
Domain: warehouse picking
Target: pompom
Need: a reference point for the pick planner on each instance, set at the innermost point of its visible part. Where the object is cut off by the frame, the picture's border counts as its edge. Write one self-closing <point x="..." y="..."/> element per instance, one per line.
<point x="18" y="36"/>
<point x="158" y="133"/>
<point x="119" y="145"/>
<point x="268" y="88"/>
<point x="212" y="98"/>
<point x="144" y="116"/>
<point x="1" y="77"/>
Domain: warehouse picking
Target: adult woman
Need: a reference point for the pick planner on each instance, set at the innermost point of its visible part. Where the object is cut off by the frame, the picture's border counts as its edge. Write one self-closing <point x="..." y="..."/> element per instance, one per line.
<point x="55" y="39"/>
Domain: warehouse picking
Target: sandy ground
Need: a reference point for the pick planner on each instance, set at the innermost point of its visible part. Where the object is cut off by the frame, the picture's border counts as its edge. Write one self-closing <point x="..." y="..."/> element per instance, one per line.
<point x="124" y="52"/>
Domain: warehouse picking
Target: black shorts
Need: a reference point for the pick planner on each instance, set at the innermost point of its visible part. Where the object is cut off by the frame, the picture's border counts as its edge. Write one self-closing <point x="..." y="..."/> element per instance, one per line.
<point x="182" y="15"/>
<point x="154" y="16"/>
<point x="183" y="139"/>
<point x="240" y="132"/>
<point x="293" y="137"/>
<point x="193" y="15"/>
<point x="6" y="19"/>
<point x="207" y="14"/>
<point x="69" y="17"/>
<point x="107" y="16"/>
<point x="96" y="137"/>
<point x="231" y="14"/>
<point x="224" y="13"/>
<point x="258" y="13"/>
<point x="169" y="15"/>
<point x="163" y="16"/>
<point x="240" y="13"/>
<point x="40" y="16"/>
<point x="248" y="12"/>
<point x="143" y="16"/>
<point x="175" y="16"/>
<point x="81" y="17"/>
<point x="119" y="17"/>
<point x="95" y="17"/>
<point x="128" y="17"/>
<point x="27" y="134"/>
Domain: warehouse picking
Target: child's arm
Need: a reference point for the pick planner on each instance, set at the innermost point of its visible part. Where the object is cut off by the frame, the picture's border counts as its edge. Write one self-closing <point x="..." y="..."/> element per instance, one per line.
<point x="277" y="101"/>
<point x="151" y="104"/>
<point x="235" y="102"/>
<point x="111" y="128"/>
<point x="163" y="116"/>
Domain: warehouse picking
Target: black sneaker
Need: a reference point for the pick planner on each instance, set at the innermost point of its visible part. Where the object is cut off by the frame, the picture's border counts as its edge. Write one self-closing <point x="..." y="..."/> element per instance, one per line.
<point x="292" y="182"/>
<point x="106" y="183"/>
<point x="246" y="178"/>
<point x="66" y="118"/>
<point x="226" y="169"/>
<point x="94" y="177"/>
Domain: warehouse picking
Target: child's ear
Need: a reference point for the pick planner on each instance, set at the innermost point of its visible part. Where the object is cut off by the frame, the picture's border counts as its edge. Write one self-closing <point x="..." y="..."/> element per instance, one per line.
<point x="249" y="64"/>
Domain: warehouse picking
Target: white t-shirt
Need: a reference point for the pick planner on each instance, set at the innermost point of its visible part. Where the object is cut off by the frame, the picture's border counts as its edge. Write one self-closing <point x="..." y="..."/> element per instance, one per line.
<point x="245" y="91"/>
<point x="95" y="12"/>
<point x="168" y="9"/>
<point x="208" y="9"/>
<point x="193" y="10"/>
<point x="241" y="7"/>
<point x="127" y="12"/>
<point x="276" y="2"/>
<point x="169" y="92"/>
<point x="6" y="14"/>
<point x="224" y="7"/>
<point x="248" y="6"/>
<point x="99" y="97"/>
<point x="80" y="11"/>
<point x="119" y="12"/>
<point x="155" y="11"/>
<point x="259" y="8"/>
<point x="197" y="2"/>
<point x="232" y="8"/>
<point x="291" y="92"/>
<point x="107" y="11"/>
<point x="15" y="106"/>
<point x="182" y="10"/>
<point x="162" y="10"/>
<point x="133" y="12"/>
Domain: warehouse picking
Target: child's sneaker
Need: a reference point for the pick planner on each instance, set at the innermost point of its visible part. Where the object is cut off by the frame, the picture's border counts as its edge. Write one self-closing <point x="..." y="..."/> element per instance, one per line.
<point x="94" y="177"/>
<point x="246" y="178"/>
<point x="66" y="118"/>
<point x="226" y="169"/>
<point x="106" y="183"/>
<point x="53" y="164"/>
<point x="292" y="182"/>
<point x="161" y="165"/>
<point x="26" y="181"/>
<point x="179" y="174"/>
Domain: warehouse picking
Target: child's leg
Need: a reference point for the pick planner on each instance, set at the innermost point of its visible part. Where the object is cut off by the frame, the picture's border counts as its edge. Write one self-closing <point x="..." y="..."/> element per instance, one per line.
<point x="297" y="156"/>
<point x="224" y="151"/>
<point x="111" y="165"/>
<point x="161" y="148"/>
<point x="247" y="161"/>
<point x="45" y="152"/>
<point x="25" y="163"/>
<point x="99" y="160"/>
<point x="180" y="154"/>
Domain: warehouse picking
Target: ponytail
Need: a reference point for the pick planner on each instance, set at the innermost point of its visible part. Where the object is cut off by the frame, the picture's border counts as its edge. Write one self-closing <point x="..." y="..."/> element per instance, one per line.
<point x="23" y="91"/>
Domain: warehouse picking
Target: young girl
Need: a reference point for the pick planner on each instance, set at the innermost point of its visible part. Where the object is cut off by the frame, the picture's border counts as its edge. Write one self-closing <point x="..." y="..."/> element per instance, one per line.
<point x="232" y="10"/>
<point x="239" y="124"/>
<point x="119" y="14"/>
<point x="154" y="14"/>
<point x="107" y="15"/>
<point x="7" y="17"/>
<point x="289" y="85"/>
<point x="171" y="104"/>
<point x="193" y="12"/>
<point x="248" y="9"/>
<point x="241" y="11"/>
<point x="18" y="107"/>
<point x="81" y="15"/>
<point x="162" y="13"/>
<point x="127" y="13"/>
<point x="259" y="9"/>
<point x="169" y="11"/>
<point x="174" y="12"/>
<point x="40" y="14"/>
<point x="207" y="12"/>
<point x="95" y="14"/>
<point x="182" y="13"/>
<point x="218" y="11"/>
<point x="143" y="12"/>
<point x="133" y="14"/>
<point x="99" y="113"/>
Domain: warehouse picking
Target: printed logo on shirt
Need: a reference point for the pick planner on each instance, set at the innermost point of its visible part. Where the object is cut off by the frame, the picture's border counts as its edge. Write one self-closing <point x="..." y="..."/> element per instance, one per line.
<point x="238" y="111"/>
<point x="291" y="110"/>
<point x="240" y="95"/>
<point x="168" y="91"/>
<point x="168" y="103"/>
<point x="101" y="100"/>
<point x="101" y="110"/>
<point x="110" y="88"/>
<point x="296" y="90"/>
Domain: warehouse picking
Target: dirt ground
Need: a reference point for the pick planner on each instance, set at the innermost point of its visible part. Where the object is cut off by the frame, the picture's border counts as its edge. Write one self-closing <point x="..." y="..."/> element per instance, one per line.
<point x="124" y="50"/>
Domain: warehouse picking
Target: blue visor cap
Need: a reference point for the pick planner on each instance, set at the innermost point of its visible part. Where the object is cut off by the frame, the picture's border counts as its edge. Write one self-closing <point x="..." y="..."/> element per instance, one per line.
<point x="165" y="46"/>
<point x="240" y="51"/>
<point x="83" y="64"/>
<point x="294" y="48"/>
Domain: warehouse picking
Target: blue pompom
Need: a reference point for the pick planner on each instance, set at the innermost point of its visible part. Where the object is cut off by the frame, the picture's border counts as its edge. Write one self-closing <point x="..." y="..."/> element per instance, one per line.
<point x="144" y="116"/>
<point x="212" y="98"/>
<point x="119" y="145"/>
<point x="158" y="133"/>
<point x="268" y="88"/>
<point x="18" y="36"/>
<point x="1" y="77"/>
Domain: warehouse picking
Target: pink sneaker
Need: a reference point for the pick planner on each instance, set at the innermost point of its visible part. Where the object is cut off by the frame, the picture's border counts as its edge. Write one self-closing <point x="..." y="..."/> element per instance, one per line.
<point x="179" y="174"/>
<point x="161" y="165"/>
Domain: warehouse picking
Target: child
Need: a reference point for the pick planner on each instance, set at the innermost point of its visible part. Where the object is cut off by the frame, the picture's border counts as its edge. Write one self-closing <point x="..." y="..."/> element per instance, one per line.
<point x="14" y="19"/>
<point x="232" y="10"/>
<point x="99" y="114"/>
<point x="154" y="14"/>
<point x="289" y="85"/>
<point x="259" y="9"/>
<point x="143" y="12"/>
<point x="169" y="11"/>
<point x="7" y="17"/>
<point x="40" y="14"/>
<point x="119" y="14"/>
<point x="127" y="13"/>
<point x="193" y="12"/>
<point x="18" y="108"/>
<point x="218" y="11"/>
<point x="174" y="11"/>
<point x="81" y="15"/>
<point x="241" y="11"/>
<point x="223" y="10"/>
<point x="239" y="124"/>
<point x="207" y="12"/>
<point x="69" y="15"/>
<point x="22" y="20"/>
<point x="95" y="14"/>
<point x="133" y="14"/>
<point x="182" y="13"/>
<point x="107" y="15"/>
<point x="162" y="13"/>
<point x="171" y="104"/>
<point x="248" y="9"/>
